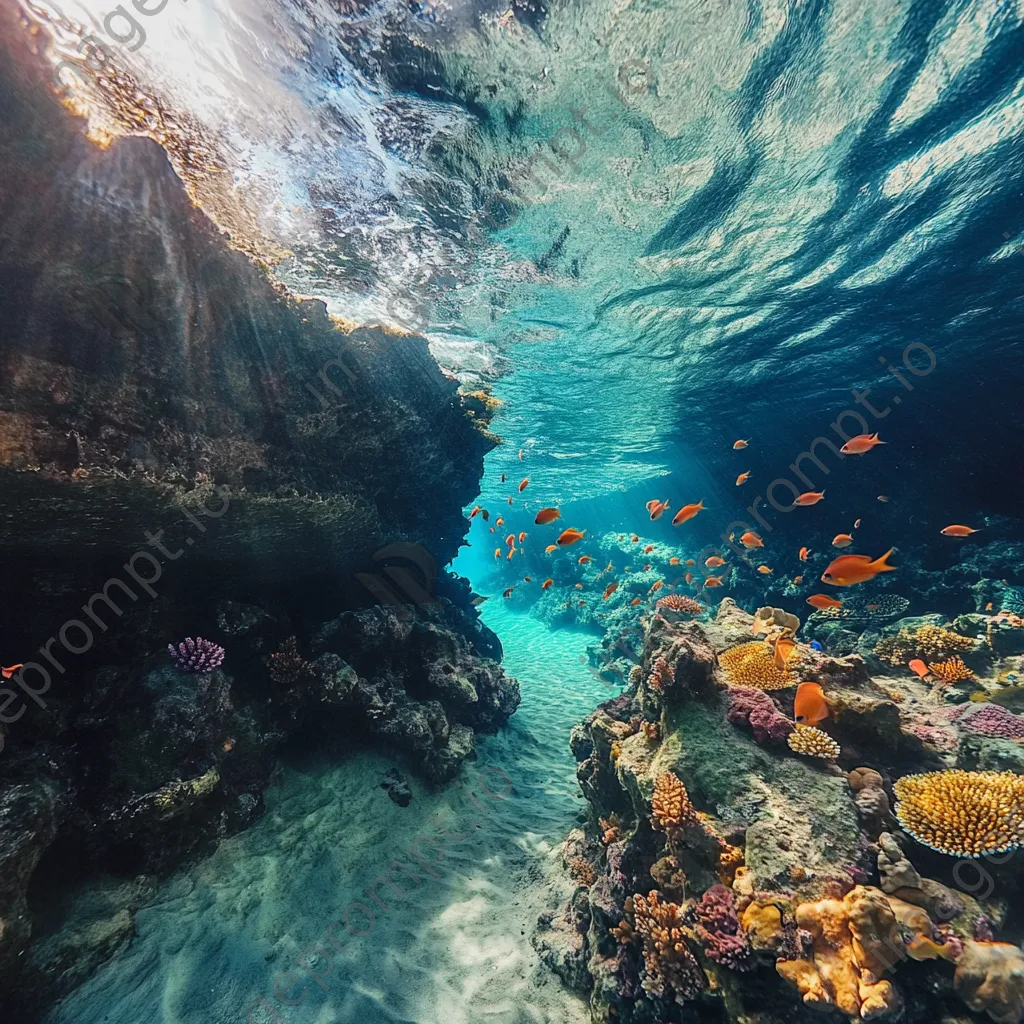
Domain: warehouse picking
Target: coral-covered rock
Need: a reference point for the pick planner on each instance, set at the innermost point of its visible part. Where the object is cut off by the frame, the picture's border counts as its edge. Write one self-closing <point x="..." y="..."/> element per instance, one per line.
<point x="990" y="978"/>
<point x="756" y="709"/>
<point x="719" y="931"/>
<point x="872" y="800"/>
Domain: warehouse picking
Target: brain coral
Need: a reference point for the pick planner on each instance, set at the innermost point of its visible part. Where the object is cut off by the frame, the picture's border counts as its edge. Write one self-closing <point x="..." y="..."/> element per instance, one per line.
<point x="753" y="664"/>
<point x="805" y="739"/>
<point x="924" y="642"/>
<point x="962" y="814"/>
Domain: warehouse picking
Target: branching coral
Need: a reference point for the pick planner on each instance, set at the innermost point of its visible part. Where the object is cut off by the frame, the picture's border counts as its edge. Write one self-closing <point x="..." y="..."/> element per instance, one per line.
<point x="755" y="708"/>
<point x="660" y="675"/>
<point x="924" y="642"/>
<point x="670" y="969"/>
<point x="962" y="814"/>
<point x="753" y="665"/>
<point x="582" y="871"/>
<point x="811" y="742"/>
<point x="287" y="666"/>
<point x="671" y="809"/>
<point x="681" y="604"/>
<point x="719" y="931"/>
<point x="611" y="829"/>
<point x="196" y="655"/>
<point x="951" y="671"/>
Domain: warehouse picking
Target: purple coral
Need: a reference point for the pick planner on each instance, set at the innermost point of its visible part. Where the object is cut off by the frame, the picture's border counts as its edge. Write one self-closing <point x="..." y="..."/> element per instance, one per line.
<point x="196" y="655"/>
<point x="755" y="708"/>
<point x="991" y="720"/>
<point x="719" y="931"/>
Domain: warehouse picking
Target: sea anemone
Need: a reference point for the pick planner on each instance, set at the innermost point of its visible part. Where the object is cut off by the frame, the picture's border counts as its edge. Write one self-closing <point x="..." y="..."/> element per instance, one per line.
<point x="196" y="655"/>
<point x="753" y="664"/>
<point x="960" y="813"/>
<point x="807" y="740"/>
<point x="680" y="603"/>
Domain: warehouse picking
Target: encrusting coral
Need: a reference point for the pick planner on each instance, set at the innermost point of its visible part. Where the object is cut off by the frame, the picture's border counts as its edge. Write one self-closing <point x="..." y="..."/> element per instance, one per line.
<point x="753" y="665"/>
<point x="960" y="813"/>
<point x="811" y="742"/>
<point x="923" y="642"/>
<point x="990" y="977"/>
<point x="755" y="708"/>
<point x="670" y="968"/>
<point x="988" y="720"/>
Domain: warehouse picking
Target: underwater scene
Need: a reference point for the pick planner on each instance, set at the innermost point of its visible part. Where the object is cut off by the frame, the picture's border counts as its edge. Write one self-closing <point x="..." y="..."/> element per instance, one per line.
<point x="512" y="511"/>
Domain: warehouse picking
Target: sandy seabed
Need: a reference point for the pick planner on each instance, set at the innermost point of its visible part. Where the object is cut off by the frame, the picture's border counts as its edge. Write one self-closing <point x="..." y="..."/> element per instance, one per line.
<point x="453" y="945"/>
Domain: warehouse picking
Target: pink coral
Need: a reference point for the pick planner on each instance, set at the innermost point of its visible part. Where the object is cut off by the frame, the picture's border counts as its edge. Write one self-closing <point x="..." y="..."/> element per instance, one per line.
<point x="989" y="720"/>
<point x="755" y="708"/>
<point x="719" y="931"/>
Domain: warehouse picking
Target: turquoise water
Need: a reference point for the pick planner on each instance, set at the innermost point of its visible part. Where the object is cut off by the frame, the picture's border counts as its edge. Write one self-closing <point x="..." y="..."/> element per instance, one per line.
<point x="455" y="951"/>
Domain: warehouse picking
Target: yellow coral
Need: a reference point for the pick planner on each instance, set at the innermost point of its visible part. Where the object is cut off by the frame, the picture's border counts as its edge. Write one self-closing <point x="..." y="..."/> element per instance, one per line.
<point x="669" y="966"/>
<point x="951" y="671"/>
<point x="729" y="859"/>
<point x="807" y="740"/>
<point x="962" y="814"/>
<point x="753" y="664"/>
<point x="762" y="923"/>
<point x="616" y="750"/>
<point x="924" y="642"/>
<point x="670" y="804"/>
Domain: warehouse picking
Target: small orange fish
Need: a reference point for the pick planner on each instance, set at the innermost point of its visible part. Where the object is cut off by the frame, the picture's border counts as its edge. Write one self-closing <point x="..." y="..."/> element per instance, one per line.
<point x="584" y="559"/>
<point x="507" y="592"/>
<point x="579" y="586"/>
<point x="742" y="478"/>
<point x="500" y="521"/>
<point x="673" y="560"/>
<point x="842" y="540"/>
<point x="648" y="549"/>
<point x="510" y="540"/>
<point x="10" y="670"/>
<point x="609" y="590"/>
<point x="798" y="579"/>
<point x="476" y="509"/>
<point x="634" y="538"/>
<point x="511" y="552"/>
<point x="737" y="445"/>
<point x="522" y="537"/>
<point x="988" y="608"/>
<point x="713" y="562"/>
<point x="763" y="570"/>
<point x="856" y="524"/>
<point x="805" y="553"/>
<point x="546" y="515"/>
<point x="846" y="570"/>
<point x="918" y="667"/>
<point x="547" y="583"/>
<point x="636" y="600"/>
<point x="809" y="705"/>
<point x="873" y="607"/>
<point x="570" y="536"/>
<point x="713" y="581"/>
<point x="688" y="577"/>
<point x="647" y="567"/>
<point x="228" y="745"/>
<point x="785" y="648"/>
<point x="751" y="540"/>
<point x="690" y="561"/>
<point x="956" y="531"/>
<point x="523" y="483"/>
<point x="884" y="497"/>
<point x="550" y="548"/>
<point x="860" y="444"/>
<point x="656" y="508"/>
<point x="657" y="586"/>
<point x="809" y="498"/>
<point x="608" y="567"/>
<point x="497" y="552"/>
<point x="823" y="601"/>
<point x="687" y="512"/>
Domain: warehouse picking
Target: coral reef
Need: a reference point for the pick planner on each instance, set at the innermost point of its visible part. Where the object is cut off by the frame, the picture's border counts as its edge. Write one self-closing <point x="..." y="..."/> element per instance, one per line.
<point x="756" y="709"/>
<point x="990" y="978"/>
<point x="753" y="665"/>
<point x="988" y="720"/>
<point x="811" y="742"/>
<point x="681" y="604"/>
<point x="670" y="968"/>
<point x="952" y="670"/>
<point x="671" y="809"/>
<point x="768" y="619"/>
<point x="960" y="813"/>
<point x="719" y="931"/>
<point x="926" y="642"/>
<point x="196" y="655"/>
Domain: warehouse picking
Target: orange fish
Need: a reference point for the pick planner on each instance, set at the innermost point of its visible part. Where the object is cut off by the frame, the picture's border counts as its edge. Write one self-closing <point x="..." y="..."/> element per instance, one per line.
<point x="584" y="559"/>
<point x="547" y="583"/>
<point x="918" y="667"/>
<point x="646" y="567"/>
<point x="860" y="444"/>
<point x="10" y="670"/>
<point x="527" y="579"/>
<point x="823" y="601"/>
<point x="988" y="607"/>
<point x="550" y="548"/>
<point x="713" y="562"/>
<point x="609" y="590"/>
<point x="608" y="567"/>
<point x="687" y="512"/>
<point x="511" y="552"/>
<point x="500" y="521"/>
<point x="690" y="561"/>
<point x="884" y="497"/>
<point x="742" y="478"/>
<point x="805" y="553"/>
<point x="522" y="537"/>
<point x="523" y="483"/>
<point x="569" y="536"/>
<point x="798" y="579"/>
<point x="227" y="746"/>
<point x="873" y="607"/>
<point x="648" y="549"/>
<point x="846" y="570"/>
<point x="656" y="508"/>
<point x="636" y="600"/>
<point x="688" y="577"/>
<point x="842" y="540"/>
<point x="785" y="648"/>
<point x="809" y="705"/>
<point x="492" y="529"/>
<point x="737" y="445"/>
<point x="713" y="581"/>
<point x="809" y="498"/>
<point x="751" y="540"/>
<point x="657" y="586"/>
<point x="507" y="592"/>
<point x="673" y="560"/>
<point x="763" y="570"/>
<point x="476" y="509"/>
<point x="547" y="515"/>
<point x="634" y="538"/>
<point x="856" y="524"/>
<point x="579" y="586"/>
<point x="510" y="540"/>
<point x="956" y="531"/>
<point x="497" y="552"/>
